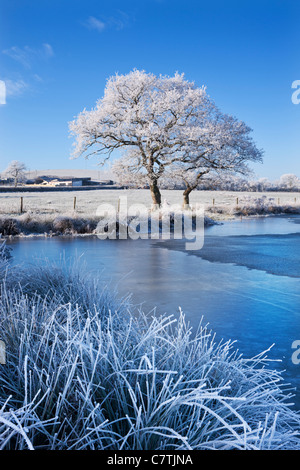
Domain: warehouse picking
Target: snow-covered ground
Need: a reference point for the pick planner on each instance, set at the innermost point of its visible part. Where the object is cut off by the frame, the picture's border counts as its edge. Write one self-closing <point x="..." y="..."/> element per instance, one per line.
<point x="53" y="212"/>
<point x="62" y="203"/>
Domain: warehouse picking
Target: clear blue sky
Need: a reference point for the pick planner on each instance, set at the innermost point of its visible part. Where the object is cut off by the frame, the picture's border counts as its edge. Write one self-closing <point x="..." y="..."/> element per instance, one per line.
<point x="55" y="57"/>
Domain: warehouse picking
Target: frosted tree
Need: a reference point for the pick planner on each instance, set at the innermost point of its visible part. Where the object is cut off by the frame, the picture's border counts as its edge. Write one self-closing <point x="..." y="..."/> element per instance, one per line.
<point x="127" y="170"/>
<point x="289" y="182"/>
<point x="156" y="118"/>
<point x="162" y="123"/>
<point x="16" y="170"/>
<point x="263" y="184"/>
<point x="224" y="148"/>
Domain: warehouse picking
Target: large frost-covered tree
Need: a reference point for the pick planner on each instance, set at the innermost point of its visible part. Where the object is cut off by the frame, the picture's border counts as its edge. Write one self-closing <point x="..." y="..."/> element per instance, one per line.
<point x="154" y="117"/>
<point x="158" y="122"/>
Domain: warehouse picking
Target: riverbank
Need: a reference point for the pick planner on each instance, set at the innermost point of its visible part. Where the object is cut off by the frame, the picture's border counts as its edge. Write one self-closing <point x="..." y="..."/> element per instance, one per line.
<point x="35" y="223"/>
<point x="28" y="225"/>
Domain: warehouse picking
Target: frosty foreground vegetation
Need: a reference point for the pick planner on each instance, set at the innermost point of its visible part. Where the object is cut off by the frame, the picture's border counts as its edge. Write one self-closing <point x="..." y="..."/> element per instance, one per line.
<point x="86" y="372"/>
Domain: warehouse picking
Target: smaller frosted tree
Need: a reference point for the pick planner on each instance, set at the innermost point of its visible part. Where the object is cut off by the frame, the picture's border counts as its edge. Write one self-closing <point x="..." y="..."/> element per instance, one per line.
<point x="289" y="182"/>
<point x="224" y="148"/>
<point x="263" y="184"/>
<point x="16" y="170"/>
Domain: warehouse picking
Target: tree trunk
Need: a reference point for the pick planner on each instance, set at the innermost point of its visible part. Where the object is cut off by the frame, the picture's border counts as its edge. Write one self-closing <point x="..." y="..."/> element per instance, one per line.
<point x="186" y="196"/>
<point x="155" y="193"/>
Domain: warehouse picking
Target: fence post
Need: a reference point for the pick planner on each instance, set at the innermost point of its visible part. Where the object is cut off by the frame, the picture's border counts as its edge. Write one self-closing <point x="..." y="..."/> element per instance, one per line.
<point x="237" y="201"/>
<point x="21" y="205"/>
<point x="213" y="202"/>
<point x="74" y="203"/>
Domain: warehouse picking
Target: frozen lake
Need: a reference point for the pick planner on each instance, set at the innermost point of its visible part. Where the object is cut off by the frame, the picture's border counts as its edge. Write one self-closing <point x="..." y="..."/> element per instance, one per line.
<point x="245" y="281"/>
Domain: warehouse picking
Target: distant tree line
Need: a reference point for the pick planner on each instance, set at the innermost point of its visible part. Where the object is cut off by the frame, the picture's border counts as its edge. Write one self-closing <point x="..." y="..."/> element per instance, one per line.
<point x="287" y="182"/>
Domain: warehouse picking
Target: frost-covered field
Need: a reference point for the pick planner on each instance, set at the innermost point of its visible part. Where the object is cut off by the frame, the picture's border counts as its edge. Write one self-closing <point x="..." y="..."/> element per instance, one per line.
<point x="54" y="212"/>
<point x="87" y="201"/>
